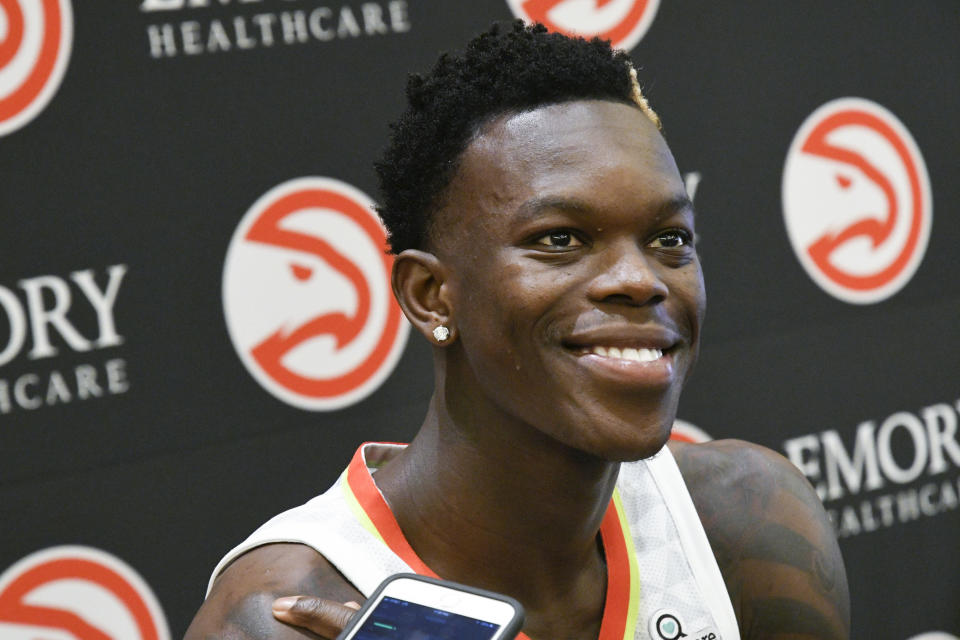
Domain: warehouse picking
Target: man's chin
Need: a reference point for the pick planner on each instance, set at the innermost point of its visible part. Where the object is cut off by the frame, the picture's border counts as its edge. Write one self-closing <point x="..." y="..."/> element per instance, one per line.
<point x="633" y="446"/>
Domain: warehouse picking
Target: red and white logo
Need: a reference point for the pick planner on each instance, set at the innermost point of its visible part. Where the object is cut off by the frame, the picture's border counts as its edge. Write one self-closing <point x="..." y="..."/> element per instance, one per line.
<point x="856" y="200"/>
<point x="307" y="297"/>
<point x="686" y="432"/>
<point x="77" y="593"/>
<point x="35" y="40"/>
<point x="622" y="22"/>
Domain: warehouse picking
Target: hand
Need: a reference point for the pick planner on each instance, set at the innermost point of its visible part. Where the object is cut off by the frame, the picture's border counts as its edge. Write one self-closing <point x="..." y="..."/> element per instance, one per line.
<point x="324" y="617"/>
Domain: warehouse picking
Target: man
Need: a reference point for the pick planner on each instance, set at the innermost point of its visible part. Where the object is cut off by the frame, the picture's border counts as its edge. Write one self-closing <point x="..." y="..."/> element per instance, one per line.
<point x="544" y="246"/>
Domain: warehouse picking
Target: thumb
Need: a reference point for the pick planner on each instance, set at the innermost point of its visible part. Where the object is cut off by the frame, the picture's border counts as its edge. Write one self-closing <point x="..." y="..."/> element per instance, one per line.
<point x="324" y="617"/>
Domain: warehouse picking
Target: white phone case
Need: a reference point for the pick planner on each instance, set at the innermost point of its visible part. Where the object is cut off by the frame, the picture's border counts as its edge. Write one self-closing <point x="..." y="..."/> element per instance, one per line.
<point x="441" y="600"/>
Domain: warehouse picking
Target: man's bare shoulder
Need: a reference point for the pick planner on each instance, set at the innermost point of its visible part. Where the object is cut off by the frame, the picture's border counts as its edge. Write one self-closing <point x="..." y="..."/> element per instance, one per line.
<point x="239" y="604"/>
<point x="718" y="465"/>
<point x="773" y="542"/>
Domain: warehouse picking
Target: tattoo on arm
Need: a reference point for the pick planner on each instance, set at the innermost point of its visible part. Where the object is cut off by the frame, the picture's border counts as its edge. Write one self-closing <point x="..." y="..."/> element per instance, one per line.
<point x="793" y="618"/>
<point x="767" y="528"/>
<point x="782" y="545"/>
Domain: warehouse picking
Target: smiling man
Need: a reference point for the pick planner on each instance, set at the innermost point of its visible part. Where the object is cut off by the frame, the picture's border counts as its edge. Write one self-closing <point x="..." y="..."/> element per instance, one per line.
<point x="545" y="246"/>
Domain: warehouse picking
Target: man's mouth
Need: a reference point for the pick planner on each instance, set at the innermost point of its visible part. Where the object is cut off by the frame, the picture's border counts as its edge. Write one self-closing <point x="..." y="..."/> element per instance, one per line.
<point x="638" y="354"/>
<point x="629" y="353"/>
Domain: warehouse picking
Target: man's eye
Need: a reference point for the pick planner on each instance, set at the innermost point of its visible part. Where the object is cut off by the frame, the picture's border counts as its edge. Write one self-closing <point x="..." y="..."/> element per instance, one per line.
<point x="672" y="239"/>
<point x="559" y="239"/>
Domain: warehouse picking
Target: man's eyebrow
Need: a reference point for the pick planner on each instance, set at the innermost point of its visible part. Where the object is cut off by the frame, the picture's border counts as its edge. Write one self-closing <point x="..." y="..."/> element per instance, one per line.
<point x="532" y="208"/>
<point x="676" y="204"/>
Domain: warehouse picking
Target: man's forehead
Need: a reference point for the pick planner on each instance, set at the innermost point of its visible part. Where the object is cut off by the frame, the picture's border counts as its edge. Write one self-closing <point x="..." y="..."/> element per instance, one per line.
<point x="564" y="142"/>
<point x="563" y="134"/>
<point x="581" y="153"/>
<point x="571" y="118"/>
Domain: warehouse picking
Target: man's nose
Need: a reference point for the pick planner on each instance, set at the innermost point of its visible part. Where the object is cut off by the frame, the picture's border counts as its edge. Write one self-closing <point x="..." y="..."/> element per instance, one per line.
<point x="627" y="275"/>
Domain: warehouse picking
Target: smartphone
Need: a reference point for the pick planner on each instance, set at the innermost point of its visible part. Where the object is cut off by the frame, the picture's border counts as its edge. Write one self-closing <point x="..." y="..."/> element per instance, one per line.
<point x="411" y="607"/>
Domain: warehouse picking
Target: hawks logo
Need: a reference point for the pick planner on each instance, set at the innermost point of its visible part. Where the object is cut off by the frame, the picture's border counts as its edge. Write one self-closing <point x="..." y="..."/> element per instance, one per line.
<point x="856" y="200"/>
<point x="686" y="432"/>
<point x="77" y="592"/>
<point x="35" y="39"/>
<point x="306" y="294"/>
<point x="622" y="22"/>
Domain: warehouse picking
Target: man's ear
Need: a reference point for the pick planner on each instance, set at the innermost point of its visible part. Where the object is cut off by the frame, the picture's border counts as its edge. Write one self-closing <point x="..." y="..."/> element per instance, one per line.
<point x="420" y="286"/>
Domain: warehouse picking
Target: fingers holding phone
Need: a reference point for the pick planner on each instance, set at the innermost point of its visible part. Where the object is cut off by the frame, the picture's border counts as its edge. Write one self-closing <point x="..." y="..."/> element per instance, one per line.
<point x="408" y="607"/>
<point x="326" y="618"/>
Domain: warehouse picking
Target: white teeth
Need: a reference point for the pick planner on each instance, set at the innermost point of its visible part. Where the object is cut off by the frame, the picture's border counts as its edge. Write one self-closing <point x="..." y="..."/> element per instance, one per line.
<point x="649" y="355"/>
<point x="628" y="353"/>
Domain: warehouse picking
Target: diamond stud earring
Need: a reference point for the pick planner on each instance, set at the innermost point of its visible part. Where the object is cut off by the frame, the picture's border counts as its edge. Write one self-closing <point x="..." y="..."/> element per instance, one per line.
<point x="441" y="333"/>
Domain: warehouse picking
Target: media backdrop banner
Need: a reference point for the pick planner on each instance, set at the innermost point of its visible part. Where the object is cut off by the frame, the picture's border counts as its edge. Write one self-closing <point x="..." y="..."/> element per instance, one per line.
<point x="186" y="190"/>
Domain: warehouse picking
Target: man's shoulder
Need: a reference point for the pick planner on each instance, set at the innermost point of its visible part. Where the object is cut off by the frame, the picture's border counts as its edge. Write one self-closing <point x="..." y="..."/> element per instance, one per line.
<point x="713" y="468"/>
<point x="239" y="604"/>
<point x="771" y="537"/>
<point x="738" y="488"/>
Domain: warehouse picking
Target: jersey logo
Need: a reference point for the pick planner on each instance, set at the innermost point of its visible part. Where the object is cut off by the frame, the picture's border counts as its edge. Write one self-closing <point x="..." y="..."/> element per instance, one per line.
<point x="622" y="22"/>
<point x="79" y="593"/>
<point x="666" y="625"/>
<point x="856" y="201"/>
<point x="35" y="41"/>
<point x="307" y="297"/>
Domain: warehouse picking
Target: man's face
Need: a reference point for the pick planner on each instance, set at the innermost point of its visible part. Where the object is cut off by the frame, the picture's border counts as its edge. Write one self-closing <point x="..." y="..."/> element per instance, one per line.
<point x="577" y="292"/>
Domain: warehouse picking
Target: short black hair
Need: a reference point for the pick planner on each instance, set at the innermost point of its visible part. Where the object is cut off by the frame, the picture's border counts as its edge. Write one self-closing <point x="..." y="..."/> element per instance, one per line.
<point x="507" y="69"/>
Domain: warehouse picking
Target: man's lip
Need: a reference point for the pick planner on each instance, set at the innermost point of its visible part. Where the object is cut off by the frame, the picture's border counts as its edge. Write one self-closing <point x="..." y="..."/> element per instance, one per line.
<point x="655" y="373"/>
<point x="624" y="337"/>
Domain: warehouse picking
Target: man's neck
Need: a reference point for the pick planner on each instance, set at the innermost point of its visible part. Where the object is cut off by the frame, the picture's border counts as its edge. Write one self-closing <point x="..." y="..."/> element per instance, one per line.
<point x="527" y="505"/>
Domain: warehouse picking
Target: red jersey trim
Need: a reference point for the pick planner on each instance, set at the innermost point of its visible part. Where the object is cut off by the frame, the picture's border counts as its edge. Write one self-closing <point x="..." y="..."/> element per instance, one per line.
<point x="613" y="534"/>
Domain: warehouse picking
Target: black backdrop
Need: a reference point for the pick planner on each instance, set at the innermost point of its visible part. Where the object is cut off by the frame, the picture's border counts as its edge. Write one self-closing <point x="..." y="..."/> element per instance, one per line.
<point x="130" y="424"/>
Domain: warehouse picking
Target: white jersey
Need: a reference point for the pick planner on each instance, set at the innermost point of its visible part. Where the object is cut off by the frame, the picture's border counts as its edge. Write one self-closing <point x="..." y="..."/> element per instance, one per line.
<point x="663" y="582"/>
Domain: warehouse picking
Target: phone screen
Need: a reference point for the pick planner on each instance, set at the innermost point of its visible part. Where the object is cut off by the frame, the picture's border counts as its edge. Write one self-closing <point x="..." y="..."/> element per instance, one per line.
<point x="395" y="618"/>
